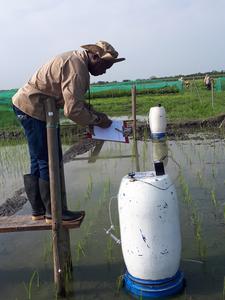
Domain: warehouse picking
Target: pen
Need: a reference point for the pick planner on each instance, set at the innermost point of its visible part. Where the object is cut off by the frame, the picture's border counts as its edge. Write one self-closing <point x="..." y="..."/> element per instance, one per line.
<point x="117" y="129"/>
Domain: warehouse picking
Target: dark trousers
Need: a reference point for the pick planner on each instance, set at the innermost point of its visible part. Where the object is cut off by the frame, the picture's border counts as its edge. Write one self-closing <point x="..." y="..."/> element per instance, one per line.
<point x="36" y="134"/>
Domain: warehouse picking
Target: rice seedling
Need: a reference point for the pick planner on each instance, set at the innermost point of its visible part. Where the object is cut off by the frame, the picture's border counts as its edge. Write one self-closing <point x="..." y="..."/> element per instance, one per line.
<point x="47" y="251"/>
<point x="89" y="189"/>
<point x="185" y="189"/>
<point x="106" y="191"/>
<point x="28" y="287"/>
<point x="213" y="198"/>
<point x="145" y="134"/>
<point x="199" y="178"/>
<point x="80" y="250"/>
<point x="109" y="250"/>
<point x="196" y="221"/>
<point x="119" y="284"/>
<point x="224" y="288"/>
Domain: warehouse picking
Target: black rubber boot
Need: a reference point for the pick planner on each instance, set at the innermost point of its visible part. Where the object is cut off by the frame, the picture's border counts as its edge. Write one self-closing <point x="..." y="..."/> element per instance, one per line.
<point x="31" y="184"/>
<point x="67" y="215"/>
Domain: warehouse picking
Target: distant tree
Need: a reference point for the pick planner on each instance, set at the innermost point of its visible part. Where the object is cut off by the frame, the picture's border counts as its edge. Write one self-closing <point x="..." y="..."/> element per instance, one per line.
<point x="102" y="82"/>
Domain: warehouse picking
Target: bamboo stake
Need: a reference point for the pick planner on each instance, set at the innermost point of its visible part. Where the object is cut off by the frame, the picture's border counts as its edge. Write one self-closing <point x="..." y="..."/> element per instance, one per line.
<point x="199" y="97"/>
<point x="134" y="117"/>
<point x="59" y="235"/>
<point x="212" y="90"/>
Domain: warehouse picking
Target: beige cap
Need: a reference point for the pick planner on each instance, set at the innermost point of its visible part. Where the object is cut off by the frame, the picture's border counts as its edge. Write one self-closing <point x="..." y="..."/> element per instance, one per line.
<point x="104" y="50"/>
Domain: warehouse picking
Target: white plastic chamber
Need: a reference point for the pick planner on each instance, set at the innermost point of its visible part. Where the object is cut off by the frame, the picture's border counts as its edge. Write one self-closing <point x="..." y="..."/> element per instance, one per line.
<point x="149" y="225"/>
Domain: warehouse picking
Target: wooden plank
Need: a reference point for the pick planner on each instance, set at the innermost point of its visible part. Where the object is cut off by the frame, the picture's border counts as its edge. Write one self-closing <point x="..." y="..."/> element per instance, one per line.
<point x="24" y="223"/>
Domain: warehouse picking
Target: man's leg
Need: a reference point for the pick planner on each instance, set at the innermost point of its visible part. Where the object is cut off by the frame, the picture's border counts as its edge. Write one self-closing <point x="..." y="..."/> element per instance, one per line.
<point x="31" y="181"/>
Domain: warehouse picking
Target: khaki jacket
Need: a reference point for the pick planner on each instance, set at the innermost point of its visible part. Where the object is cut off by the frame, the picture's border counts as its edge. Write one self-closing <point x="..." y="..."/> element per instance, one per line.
<point x="65" y="78"/>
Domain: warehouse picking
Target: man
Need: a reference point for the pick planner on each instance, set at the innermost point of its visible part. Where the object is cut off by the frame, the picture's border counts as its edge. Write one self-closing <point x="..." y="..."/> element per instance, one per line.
<point x="65" y="78"/>
<point x="207" y="82"/>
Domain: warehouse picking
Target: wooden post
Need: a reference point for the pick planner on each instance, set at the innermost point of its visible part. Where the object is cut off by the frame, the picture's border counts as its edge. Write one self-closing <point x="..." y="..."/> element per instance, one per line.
<point x="133" y="96"/>
<point x="135" y="147"/>
<point x="66" y="233"/>
<point x="60" y="236"/>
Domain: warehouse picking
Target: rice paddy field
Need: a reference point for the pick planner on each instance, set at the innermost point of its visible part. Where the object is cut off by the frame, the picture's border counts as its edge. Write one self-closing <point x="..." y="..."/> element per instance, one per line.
<point x="195" y="163"/>
<point x="196" y="167"/>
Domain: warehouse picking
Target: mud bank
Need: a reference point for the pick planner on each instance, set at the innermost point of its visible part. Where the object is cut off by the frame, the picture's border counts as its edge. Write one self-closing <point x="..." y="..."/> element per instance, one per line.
<point x="72" y="131"/>
<point x="66" y="131"/>
<point x="211" y="127"/>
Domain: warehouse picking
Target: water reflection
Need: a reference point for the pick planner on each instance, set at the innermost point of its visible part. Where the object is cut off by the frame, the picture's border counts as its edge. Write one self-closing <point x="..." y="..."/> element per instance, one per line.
<point x="97" y="260"/>
<point x="160" y="151"/>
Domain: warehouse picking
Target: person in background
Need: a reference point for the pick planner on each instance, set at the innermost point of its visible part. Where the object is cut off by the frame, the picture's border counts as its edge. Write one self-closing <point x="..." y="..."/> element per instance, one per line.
<point x="187" y="84"/>
<point x="207" y="82"/>
<point x="65" y="78"/>
<point x="181" y="79"/>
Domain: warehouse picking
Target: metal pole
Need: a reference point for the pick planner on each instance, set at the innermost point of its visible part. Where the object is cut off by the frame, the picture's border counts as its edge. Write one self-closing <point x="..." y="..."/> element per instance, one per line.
<point x="58" y="233"/>
<point x="133" y="96"/>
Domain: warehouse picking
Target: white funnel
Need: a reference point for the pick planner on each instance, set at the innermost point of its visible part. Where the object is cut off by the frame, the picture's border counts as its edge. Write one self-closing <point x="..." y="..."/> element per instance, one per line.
<point x="157" y="122"/>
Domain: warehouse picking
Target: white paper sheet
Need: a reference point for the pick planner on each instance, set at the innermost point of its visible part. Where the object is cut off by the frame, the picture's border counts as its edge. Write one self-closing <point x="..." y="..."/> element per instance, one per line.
<point x="112" y="133"/>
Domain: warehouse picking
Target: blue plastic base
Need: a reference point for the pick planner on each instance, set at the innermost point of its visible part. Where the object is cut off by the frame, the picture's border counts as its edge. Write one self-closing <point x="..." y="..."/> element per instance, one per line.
<point x="154" y="288"/>
<point x="158" y="136"/>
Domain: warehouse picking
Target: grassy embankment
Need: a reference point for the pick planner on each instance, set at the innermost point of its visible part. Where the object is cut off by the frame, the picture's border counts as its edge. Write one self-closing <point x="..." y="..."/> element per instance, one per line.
<point x="194" y="102"/>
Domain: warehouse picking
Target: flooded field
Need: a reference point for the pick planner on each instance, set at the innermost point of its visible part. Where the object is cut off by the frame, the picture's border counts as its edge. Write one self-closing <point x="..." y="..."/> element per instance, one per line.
<point x="197" y="167"/>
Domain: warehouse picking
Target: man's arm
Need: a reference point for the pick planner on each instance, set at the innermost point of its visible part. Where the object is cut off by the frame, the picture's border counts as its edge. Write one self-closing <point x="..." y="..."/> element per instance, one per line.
<point x="76" y="108"/>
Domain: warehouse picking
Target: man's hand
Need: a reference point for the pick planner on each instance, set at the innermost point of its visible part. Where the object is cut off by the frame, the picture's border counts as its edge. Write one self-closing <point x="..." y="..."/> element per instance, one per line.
<point x="103" y="121"/>
<point x="91" y="130"/>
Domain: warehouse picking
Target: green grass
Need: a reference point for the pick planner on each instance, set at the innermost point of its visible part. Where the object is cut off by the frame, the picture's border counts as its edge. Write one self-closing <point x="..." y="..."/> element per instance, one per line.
<point x="179" y="107"/>
<point x="8" y="120"/>
<point x="122" y="93"/>
<point x="191" y="104"/>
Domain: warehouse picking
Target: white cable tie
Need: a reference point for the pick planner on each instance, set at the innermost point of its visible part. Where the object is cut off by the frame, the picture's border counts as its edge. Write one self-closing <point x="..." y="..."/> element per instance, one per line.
<point x="115" y="238"/>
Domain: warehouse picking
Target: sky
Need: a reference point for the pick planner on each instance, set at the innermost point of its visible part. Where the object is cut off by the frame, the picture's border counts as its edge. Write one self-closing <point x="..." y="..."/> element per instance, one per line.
<point x="157" y="37"/>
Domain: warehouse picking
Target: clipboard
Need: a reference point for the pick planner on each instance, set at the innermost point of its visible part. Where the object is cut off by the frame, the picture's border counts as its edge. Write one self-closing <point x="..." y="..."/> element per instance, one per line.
<point x="113" y="133"/>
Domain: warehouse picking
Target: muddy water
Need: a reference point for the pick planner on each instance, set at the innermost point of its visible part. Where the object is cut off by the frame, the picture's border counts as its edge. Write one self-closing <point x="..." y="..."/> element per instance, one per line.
<point x="197" y="168"/>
